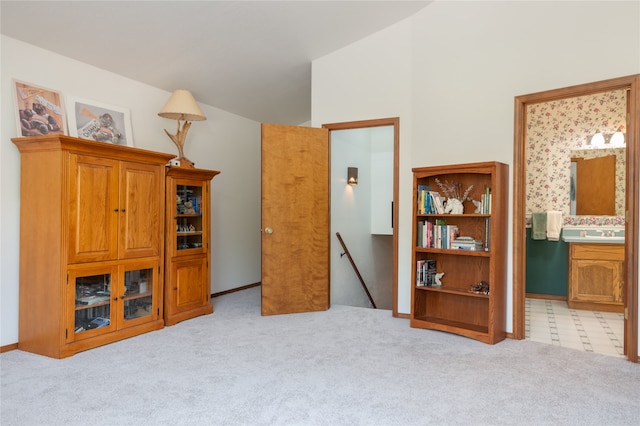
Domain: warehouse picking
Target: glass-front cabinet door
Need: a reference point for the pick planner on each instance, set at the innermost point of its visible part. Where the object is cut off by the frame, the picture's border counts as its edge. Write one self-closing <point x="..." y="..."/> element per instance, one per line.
<point x="92" y="301"/>
<point x="107" y="298"/>
<point x="188" y="214"/>
<point x="140" y="283"/>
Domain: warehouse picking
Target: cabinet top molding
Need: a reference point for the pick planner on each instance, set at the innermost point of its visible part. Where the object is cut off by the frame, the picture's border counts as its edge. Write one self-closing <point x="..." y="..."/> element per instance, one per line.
<point x="193" y="173"/>
<point x="85" y="146"/>
<point x="482" y="167"/>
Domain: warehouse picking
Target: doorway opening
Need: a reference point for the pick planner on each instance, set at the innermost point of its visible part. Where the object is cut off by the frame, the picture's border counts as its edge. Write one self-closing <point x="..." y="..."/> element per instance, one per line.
<point x="632" y="85"/>
<point x="366" y="212"/>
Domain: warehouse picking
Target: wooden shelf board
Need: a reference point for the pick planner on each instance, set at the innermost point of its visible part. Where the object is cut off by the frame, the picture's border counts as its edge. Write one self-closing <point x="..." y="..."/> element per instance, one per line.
<point x="473" y="331"/>
<point x="448" y="324"/>
<point x="137" y="295"/>
<point x="454" y="252"/>
<point x="453" y="215"/>
<point x="452" y="290"/>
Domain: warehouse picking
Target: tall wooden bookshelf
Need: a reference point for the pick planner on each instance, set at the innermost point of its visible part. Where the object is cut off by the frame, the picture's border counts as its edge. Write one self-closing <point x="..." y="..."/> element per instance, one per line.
<point x="454" y="306"/>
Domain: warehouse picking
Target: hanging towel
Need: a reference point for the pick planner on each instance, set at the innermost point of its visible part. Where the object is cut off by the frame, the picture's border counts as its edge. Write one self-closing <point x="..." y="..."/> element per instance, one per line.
<point x="538" y="226"/>
<point x="554" y="225"/>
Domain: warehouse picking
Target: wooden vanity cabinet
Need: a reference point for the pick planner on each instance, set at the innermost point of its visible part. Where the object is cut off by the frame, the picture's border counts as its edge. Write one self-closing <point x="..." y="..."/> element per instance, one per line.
<point x="596" y="277"/>
<point x="188" y="252"/>
<point x="91" y="243"/>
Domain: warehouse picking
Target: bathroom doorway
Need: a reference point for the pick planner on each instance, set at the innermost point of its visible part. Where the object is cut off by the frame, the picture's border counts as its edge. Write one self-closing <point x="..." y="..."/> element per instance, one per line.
<point x="632" y="85"/>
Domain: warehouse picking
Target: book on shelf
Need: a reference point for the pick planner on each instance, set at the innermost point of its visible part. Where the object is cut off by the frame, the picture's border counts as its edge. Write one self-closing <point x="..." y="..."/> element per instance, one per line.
<point x="486" y="201"/>
<point x="426" y="272"/>
<point x="437" y="202"/>
<point x="424" y="234"/>
<point x="423" y="202"/>
<point x="428" y="234"/>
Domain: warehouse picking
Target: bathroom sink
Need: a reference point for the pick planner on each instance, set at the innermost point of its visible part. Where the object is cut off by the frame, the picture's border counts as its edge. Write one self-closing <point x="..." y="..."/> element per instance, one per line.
<point x="593" y="235"/>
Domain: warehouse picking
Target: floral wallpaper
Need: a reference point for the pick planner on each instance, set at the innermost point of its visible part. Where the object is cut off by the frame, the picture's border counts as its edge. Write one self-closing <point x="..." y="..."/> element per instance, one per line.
<point x="554" y="130"/>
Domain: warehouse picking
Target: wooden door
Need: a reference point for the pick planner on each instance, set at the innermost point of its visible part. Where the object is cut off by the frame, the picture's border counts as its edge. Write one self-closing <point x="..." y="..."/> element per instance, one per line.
<point x="93" y="208"/>
<point x="295" y="219"/>
<point x="141" y="209"/>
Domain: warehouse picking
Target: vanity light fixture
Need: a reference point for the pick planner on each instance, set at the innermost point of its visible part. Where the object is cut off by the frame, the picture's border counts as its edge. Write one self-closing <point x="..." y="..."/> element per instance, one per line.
<point x="597" y="139"/>
<point x="600" y="139"/>
<point x="617" y="139"/>
<point x="183" y="107"/>
<point x="352" y="175"/>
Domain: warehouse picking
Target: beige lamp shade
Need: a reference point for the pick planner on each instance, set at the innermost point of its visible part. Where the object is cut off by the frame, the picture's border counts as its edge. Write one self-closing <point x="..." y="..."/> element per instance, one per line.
<point x="182" y="106"/>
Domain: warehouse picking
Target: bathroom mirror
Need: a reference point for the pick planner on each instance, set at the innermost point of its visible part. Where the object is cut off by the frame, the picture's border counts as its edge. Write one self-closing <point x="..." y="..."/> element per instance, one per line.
<point x="594" y="189"/>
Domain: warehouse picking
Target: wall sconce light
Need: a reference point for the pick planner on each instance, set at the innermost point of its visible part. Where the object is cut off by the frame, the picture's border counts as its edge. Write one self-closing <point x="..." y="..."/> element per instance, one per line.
<point x="183" y="107"/>
<point x="352" y="175"/>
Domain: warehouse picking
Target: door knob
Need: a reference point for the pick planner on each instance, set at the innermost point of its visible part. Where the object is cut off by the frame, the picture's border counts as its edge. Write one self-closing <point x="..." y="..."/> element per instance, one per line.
<point x="268" y="230"/>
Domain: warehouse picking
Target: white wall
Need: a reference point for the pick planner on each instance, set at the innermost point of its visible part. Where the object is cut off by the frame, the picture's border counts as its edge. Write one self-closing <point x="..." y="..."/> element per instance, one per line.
<point x="368" y="80"/>
<point x="451" y="73"/>
<point x="224" y="142"/>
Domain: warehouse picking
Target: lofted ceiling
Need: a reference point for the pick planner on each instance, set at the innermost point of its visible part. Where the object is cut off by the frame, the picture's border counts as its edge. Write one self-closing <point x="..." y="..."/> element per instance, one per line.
<point x="250" y="58"/>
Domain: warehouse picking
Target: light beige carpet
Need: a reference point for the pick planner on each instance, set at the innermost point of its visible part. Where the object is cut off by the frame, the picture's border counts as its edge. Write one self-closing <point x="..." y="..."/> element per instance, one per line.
<point x="345" y="366"/>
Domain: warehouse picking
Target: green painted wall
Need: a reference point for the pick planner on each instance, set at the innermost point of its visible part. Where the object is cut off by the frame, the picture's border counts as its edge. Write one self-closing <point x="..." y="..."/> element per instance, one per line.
<point x="547" y="266"/>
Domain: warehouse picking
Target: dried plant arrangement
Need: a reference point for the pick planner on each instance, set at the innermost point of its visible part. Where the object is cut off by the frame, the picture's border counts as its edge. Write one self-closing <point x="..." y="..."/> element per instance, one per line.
<point x="452" y="190"/>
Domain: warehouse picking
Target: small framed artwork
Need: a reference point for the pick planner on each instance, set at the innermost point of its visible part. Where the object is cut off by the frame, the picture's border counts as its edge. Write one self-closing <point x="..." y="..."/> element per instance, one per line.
<point x="99" y="122"/>
<point x="39" y="111"/>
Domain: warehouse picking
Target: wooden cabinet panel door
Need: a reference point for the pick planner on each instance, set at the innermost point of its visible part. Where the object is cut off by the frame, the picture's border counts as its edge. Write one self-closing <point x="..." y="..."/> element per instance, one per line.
<point x="597" y="281"/>
<point x="93" y="208"/>
<point x="190" y="279"/>
<point x="141" y="204"/>
<point x="295" y="219"/>
<point x="596" y="277"/>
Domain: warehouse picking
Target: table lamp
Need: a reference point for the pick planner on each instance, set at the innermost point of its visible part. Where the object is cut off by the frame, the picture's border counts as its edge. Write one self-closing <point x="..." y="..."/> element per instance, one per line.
<point x="183" y="107"/>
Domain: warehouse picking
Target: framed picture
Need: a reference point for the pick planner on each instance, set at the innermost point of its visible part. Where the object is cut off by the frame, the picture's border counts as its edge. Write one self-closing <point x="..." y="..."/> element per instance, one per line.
<point x="99" y="122"/>
<point x="39" y="111"/>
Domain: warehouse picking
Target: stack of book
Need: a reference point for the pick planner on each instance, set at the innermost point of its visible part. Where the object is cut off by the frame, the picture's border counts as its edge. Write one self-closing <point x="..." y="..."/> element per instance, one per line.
<point x="466" y="243"/>
<point x="429" y="202"/>
<point x="436" y="235"/>
<point x="486" y="202"/>
<point x="426" y="273"/>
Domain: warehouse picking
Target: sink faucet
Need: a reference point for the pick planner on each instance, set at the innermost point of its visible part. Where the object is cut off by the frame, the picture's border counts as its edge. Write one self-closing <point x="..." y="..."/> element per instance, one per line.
<point x="607" y="233"/>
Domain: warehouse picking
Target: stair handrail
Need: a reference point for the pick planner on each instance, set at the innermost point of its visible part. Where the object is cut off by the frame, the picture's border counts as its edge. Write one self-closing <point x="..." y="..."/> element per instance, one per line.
<point x="355" y="268"/>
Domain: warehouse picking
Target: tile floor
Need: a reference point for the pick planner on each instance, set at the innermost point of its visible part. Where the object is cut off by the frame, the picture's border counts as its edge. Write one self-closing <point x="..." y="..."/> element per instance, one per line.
<point x="551" y="321"/>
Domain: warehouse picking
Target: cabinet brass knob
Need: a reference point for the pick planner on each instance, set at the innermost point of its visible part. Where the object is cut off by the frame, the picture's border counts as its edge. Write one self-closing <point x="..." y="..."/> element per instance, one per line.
<point x="268" y="230"/>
